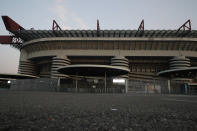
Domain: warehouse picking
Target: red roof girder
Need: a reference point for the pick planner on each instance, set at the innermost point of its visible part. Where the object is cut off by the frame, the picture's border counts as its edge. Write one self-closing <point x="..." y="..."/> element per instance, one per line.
<point x="11" y="25"/>
<point x="55" y="26"/>
<point x="186" y="25"/>
<point x="10" y="40"/>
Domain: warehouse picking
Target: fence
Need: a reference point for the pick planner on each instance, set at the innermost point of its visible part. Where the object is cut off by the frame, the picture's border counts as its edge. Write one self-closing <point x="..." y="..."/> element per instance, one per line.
<point x="42" y="84"/>
<point x="159" y="86"/>
<point x="148" y="86"/>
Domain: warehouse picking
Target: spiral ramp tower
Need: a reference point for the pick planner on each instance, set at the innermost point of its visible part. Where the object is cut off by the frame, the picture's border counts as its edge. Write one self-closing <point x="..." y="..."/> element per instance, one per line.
<point x="179" y="62"/>
<point x="58" y="62"/>
<point x="120" y="61"/>
<point x="179" y="69"/>
<point x="27" y="68"/>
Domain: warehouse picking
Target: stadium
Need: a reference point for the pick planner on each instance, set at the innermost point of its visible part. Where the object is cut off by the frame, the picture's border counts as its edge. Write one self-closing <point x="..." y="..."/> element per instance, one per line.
<point x="105" y="61"/>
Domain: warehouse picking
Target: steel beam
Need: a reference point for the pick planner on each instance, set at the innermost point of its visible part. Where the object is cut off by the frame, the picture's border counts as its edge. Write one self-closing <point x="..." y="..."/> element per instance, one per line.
<point x="10" y="40"/>
<point x="11" y="25"/>
<point x="98" y="28"/>
<point x="5" y="39"/>
<point x="141" y="27"/>
<point x="186" y="26"/>
<point x="55" y="26"/>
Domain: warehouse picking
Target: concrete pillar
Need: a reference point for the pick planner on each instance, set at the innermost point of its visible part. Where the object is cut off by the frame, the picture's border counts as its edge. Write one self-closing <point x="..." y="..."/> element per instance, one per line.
<point x="76" y="83"/>
<point x="186" y="88"/>
<point x="105" y="82"/>
<point x="169" y="89"/>
<point x="126" y="85"/>
<point x="58" y="85"/>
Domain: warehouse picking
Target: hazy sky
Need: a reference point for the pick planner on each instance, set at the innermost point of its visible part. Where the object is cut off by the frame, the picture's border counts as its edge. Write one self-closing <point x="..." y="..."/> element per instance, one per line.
<point x="82" y="14"/>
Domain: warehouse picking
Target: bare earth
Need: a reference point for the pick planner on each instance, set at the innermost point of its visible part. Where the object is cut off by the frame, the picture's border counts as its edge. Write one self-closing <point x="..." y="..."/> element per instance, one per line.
<point x="126" y="112"/>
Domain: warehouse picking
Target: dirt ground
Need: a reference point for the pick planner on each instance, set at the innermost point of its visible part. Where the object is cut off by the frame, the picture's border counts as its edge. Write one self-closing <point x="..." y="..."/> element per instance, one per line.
<point x="32" y="111"/>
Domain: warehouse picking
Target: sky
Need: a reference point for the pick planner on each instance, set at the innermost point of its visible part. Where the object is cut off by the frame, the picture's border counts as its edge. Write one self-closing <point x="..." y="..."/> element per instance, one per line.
<point x="82" y="14"/>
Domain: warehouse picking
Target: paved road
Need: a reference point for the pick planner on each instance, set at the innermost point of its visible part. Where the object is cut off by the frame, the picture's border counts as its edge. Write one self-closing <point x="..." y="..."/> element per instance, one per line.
<point x="66" y="111"/>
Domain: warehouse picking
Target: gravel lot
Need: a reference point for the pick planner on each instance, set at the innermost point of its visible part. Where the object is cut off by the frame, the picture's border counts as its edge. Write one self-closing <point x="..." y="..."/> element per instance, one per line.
<point x="125" y="112"/>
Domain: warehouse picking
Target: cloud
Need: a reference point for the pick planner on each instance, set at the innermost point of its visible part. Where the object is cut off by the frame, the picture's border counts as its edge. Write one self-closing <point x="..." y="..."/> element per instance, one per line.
<point x="61" y="12"/>
<point x="79" y="21"/>
<point x="67" y="16"/>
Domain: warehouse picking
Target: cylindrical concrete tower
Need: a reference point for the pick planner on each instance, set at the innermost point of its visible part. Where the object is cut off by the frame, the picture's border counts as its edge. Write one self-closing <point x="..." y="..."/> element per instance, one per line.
<point x="179" y="62"/>
<point x="120" y="61"/>
<point x="58" y="62"/>
<point x="26" y="67"/>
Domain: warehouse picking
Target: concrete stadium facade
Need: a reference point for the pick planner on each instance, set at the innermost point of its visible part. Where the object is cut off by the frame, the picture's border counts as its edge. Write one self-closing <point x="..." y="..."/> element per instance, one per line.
<point x="145" y="56"/>
<point x="151" y="60"/>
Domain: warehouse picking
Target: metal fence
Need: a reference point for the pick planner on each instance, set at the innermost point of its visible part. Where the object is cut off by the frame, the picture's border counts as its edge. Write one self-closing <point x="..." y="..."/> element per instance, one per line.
<point x="148" y="86"/>
<point x="41" y="84"/>
<point x="156" y="86"/>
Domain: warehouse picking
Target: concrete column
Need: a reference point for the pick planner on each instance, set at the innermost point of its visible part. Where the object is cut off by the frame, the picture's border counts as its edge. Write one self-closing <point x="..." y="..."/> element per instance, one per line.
<point x="185" y="85"/>
<point x="76" y="84"/>
<point x="126" y="85"/>
<point x="105" y="82"/>
<point x="58" y="85"/>
<point x="169" y="89"/>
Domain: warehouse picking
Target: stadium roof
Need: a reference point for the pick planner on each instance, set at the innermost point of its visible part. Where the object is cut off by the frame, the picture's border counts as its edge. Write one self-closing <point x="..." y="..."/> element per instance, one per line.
<point x="189" y="72"/>
<point x="7" y="76"/>
<point x="28" y="35"/>
<point x="21" y="34"/>
<point x="93" y="70"/>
